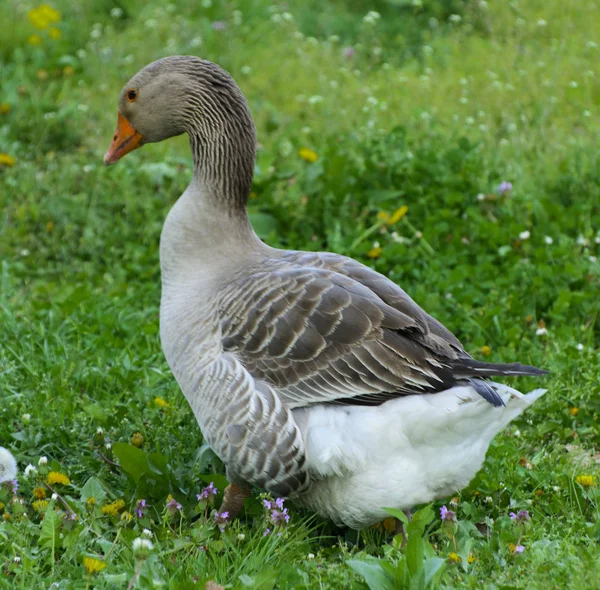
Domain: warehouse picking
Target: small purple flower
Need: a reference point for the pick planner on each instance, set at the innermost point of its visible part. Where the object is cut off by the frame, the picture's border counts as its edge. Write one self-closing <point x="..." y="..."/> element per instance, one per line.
<point x="221" y="520"/>
<point x="279" y="503"/>
<point x="173" y="506"/>
<point x="268" y="504"/>
<point x="12" y="485"/>
<point x="280" y="516"/>
<point x="207" y="492"/>
<point x="139" y="508"/>
<point x="267" y="532"/>
<point x="520" y="516"/>
<point x="519" y="548"/>
<point x="219" y="25"/>
<point x="447" y="515"/>
<point x="349" y="52"/>
<point x="504" y="187"/>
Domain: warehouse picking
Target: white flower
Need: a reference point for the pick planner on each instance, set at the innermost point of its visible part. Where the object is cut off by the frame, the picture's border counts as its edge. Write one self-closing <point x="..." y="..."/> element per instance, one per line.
<point x="541" y="23"/>
<point x="548" y="240"/>
<point x="8" y="465"/>
<point x="43" y="461"/>
<point x="556" y="488"/>
<point x="241" y="537"/>
<point x="116" y="12"/>
<point x="481" y="197"/>
<point x="147" y="533"/>
<point x="99" y="431"/>
<point x="455" y="18"/>
<point x="583" y="241"/>
<point x="524" y="235"/>
<point x="371" y="17"/>
<point x="108" y="446"/>
<point x="142" y="547"/>
<point x="311" y="556"/>
<point x="573" y="84"/>
<point x="489" y="499"/>
<point x="29" y="470"/>
<point x="26" y="417"/>
<point x="579" y="346"/>
<point x="541" y="332"/>
<point x="16" y="559"/>
<point x="517" y="433"/>
<point x="316" y="99"/>
<point x="54" y="496"/>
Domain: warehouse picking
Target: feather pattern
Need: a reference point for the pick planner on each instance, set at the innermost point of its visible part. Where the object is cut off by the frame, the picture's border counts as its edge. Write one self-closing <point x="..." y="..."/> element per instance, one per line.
<point x="309" y="374"/>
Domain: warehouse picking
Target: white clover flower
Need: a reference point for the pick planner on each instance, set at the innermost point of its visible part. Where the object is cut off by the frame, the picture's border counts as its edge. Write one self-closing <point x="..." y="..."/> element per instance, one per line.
<point x="43" y="461"/>
<point x="310" y="556"/>
<point x="525" y="235"/>
<point x="99" y="430"/>
<point x="108" y="446"/>
<point x="8" y="465"/>
<point x="54" y="496"/>
<point x="455" y="18"/>
<point x="579" y="347"/>
<point x="26" y="417"/>
<point x="147" y="533"/>
<point x="142" y="547"/>
<point x="371" y="17"/>
<point x="241" y="536"/>
<point x="315" y="99"/>
<point x="480" y="197"/>
<point x="548" y="240"/>
<point x="489" y="499"/>
<point x="556" y="488"/>
<point x="29" y="470"/>
<point x="16" y="559"/>
<point x="116" y="12"/>
<point x="582" y="241"/>
<point x="541" y="332"/>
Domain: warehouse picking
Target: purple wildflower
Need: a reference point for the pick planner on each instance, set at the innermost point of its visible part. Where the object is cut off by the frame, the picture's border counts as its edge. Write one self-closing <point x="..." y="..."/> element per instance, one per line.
<point x="139" y="508"/>
<point x="520" y="516"/>
<point x="207" y="492"/>
<point x="280" y="516"/>
<point x="504" y="187"/>
<point x="268" y="504"/>
<point x="279" y="503"/>
<point x="519" y="548"/>
<point x="12" y="485"/>
<point x="173" y="506"/>
<point x="219" y="25"/>
<point x="447" y="515"/>
<point x="267" y="532"/>
<point x="349" y="52"/>
<point x="221" y="520"/>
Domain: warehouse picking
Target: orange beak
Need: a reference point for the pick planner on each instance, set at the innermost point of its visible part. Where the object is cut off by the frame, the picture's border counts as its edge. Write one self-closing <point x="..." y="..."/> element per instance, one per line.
<point x="126" y="140"/>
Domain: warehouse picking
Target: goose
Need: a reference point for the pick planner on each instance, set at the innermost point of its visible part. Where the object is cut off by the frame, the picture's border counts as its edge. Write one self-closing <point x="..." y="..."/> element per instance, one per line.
<point x="311" y="376"/>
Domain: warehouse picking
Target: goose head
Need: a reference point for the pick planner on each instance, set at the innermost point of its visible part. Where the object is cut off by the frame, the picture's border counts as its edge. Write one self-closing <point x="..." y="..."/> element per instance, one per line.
<point x="185" y="94"/>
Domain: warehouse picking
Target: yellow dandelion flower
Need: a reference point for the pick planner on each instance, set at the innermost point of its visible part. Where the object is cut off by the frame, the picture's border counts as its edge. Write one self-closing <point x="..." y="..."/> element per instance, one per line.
<point x="573" y="411"/>
<point x="454" y="557"/>
<point x="471" y="558"/>
<point x="374" y="252"/>
<point x="54" y="477"/>
<point x="41" y="75"/>
<point x="6" y="160"/>
<point x="1" y="506"/>
<point x="398" y="214"/>
<point x="161" y="403"/>
<point x="68" y="71"/>
<point x="54" y="33"/>
<point x="40" y="505"/>
<point x="6" y="516"/>
<point x="43" y="16"/>
<point x="4" y="108"/>
<point x="485" y="350"/>
<point x="50" y="227"/>
<point x="113" y="508"/>
<point x="137" y="440"/>
<point x="308" y="155"/>
<point x="126" y="516"/>
<point x="39" y="493"/>
<point x="586" y="481"/>
<point x="91" y="501"/>
<point x="383" y="216"/>
<point x="34" y="40"/>
<point x="93" y="565"/>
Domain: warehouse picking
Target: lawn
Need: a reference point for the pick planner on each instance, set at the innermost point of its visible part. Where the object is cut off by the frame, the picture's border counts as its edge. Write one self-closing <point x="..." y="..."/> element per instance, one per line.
<point x="452" y="145"/>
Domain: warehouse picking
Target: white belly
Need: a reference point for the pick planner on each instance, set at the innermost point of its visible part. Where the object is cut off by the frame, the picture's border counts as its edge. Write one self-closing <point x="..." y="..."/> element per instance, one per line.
<point x="405" y="452"/>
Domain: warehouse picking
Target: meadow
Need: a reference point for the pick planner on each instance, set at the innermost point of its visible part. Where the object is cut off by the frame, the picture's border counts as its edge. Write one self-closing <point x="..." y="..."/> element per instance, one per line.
<point x="452" y="145"/>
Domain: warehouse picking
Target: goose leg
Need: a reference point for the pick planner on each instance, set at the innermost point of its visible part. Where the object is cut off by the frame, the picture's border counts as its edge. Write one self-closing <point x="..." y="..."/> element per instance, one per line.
<point x="233" y="500"/>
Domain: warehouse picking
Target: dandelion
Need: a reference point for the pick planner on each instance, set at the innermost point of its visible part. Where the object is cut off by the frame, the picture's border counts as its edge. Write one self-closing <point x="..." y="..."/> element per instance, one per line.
<point x="113" y="508"/>
<point x="68" y="71"/>
<point x="137" y="440"/>
<point x="29" y="470"/>
<point x="6" y="160"/>
<point x="54" y="33"/>
<point x="139" y="508"/>
<point x="454" y="557"/>
<point x="375" y="251"/>
<point x="573" y="411"/>
<point x="40" y="505"/>
<point x="34" y="40"/>
<point x="486" y="350"/>
<point x="55" y="477"/>
<point x="308" y="155"/>
<point x="521" y="516"/>
<point x="142" y="547"/>
<point x="93" y="565"/>
<point x="43" y="16"/>
<point x="4" y="108"/>
<point x="504" y="187"/>
<point x="8" y="464"/>
<point x="173" y="506"/>
<point x="207" y="492"/>
<point x="586" y="481"/>
<point x="447" y="515"/>
<point x="126" y="517"/>
<point x="39" y="493"/>
<point x="161" y="403"/>
<point x="91" y="501"/>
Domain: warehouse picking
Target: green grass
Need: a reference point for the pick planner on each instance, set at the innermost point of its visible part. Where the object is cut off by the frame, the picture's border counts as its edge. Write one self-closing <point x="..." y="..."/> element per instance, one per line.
<point x="430" y="112"/>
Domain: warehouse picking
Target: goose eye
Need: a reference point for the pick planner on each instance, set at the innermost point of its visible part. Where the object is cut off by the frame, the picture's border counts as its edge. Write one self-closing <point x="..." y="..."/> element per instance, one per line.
<point x="132" y="95"/>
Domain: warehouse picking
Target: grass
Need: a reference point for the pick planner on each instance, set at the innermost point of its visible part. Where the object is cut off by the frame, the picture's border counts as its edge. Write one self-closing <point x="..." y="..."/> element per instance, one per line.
<point x="439" y="103"/>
